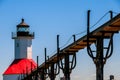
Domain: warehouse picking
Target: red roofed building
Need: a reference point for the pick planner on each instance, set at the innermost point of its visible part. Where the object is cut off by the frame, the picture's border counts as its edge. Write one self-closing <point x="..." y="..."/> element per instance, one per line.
<point x="23" y="62"/>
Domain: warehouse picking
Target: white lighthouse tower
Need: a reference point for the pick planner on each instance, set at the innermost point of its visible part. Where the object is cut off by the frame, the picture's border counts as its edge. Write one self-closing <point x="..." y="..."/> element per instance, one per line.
<point x="23" y="62"/>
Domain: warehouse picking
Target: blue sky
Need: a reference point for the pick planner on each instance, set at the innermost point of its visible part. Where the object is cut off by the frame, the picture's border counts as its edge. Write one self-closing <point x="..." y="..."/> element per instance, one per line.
<point x="47" y="18"/>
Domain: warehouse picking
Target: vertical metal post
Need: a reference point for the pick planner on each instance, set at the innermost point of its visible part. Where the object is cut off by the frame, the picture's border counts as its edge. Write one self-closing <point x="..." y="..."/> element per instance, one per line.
<point x="42" y="75"/>
<point x="51" y="70"/>
<point x="99" y="59"/>
<point x="45" y="54"/>
<point x="45" y="57"/>
<point x="37" y="61"/>
<point x="88" y="19"/>
<point x="65" y="63"/>
<point x="44" y="71"/>
<point x="111" y="14"/>
<point x="67" y="70"/>
<point x="52" y="74"/>
<point x="74" y="38"/>
<point x="58" y="44"/>
<point x="36" y="75"/>
<point x="88" y="29"/>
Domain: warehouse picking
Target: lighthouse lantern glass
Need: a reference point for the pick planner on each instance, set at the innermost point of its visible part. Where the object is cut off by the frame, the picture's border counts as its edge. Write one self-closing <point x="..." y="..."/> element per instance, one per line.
<point x="23" y="29"/>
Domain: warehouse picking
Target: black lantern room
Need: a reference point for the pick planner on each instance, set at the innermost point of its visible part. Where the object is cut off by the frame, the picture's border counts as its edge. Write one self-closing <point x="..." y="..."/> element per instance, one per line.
<point x="23" y="30"/>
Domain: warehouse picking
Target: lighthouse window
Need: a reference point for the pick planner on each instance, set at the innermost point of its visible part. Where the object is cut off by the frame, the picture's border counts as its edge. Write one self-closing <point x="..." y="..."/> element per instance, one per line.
<point x="23" y="29"/>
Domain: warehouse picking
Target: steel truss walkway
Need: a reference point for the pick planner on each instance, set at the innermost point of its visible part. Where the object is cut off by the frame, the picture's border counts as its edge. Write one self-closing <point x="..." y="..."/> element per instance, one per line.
<point x="105" y="31"/>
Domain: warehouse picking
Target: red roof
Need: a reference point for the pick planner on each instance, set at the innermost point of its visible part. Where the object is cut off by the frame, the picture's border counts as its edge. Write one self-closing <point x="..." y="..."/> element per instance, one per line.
<point x="20" y="66"/>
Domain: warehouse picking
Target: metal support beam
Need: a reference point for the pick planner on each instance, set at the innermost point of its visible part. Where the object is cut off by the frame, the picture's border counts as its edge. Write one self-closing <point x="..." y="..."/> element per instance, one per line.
<point x="66" y="70"/>
<point x="42" y="74"/>
<point x="65" y="63"/>
<point x="37" y="61"/>
<point x="99" y="59"/>
<point x="52" y="70"/>
<point x="36" y="75"/>
<point x="111" y="14"/>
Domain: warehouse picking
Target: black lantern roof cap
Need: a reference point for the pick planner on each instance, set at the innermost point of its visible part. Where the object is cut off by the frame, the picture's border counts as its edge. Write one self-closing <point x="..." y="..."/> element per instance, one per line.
<point x="22" y="24"/>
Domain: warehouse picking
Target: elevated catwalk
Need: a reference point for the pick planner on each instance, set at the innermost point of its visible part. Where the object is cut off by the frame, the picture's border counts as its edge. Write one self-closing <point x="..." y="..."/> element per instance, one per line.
<point x="108" y="28"/>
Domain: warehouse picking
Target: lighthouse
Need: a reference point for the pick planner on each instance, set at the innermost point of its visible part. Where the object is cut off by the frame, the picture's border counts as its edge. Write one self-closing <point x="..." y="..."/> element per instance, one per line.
<point x="23" y="62"/>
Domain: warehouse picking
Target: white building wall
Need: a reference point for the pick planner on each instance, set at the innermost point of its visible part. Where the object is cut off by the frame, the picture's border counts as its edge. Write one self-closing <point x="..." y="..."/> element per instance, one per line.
<point x="23" y="48"/>
<point x="11" y="77"/>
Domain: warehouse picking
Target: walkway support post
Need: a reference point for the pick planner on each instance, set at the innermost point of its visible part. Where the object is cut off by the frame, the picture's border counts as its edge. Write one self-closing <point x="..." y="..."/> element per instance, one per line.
<point x="102" y="52"/>
<point x="65" y="63"/>
<point x="52" y="70"/>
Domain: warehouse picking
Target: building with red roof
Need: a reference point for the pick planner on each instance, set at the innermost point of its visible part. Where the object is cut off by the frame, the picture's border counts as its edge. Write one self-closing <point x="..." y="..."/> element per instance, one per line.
<point x="23" y="63"/>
